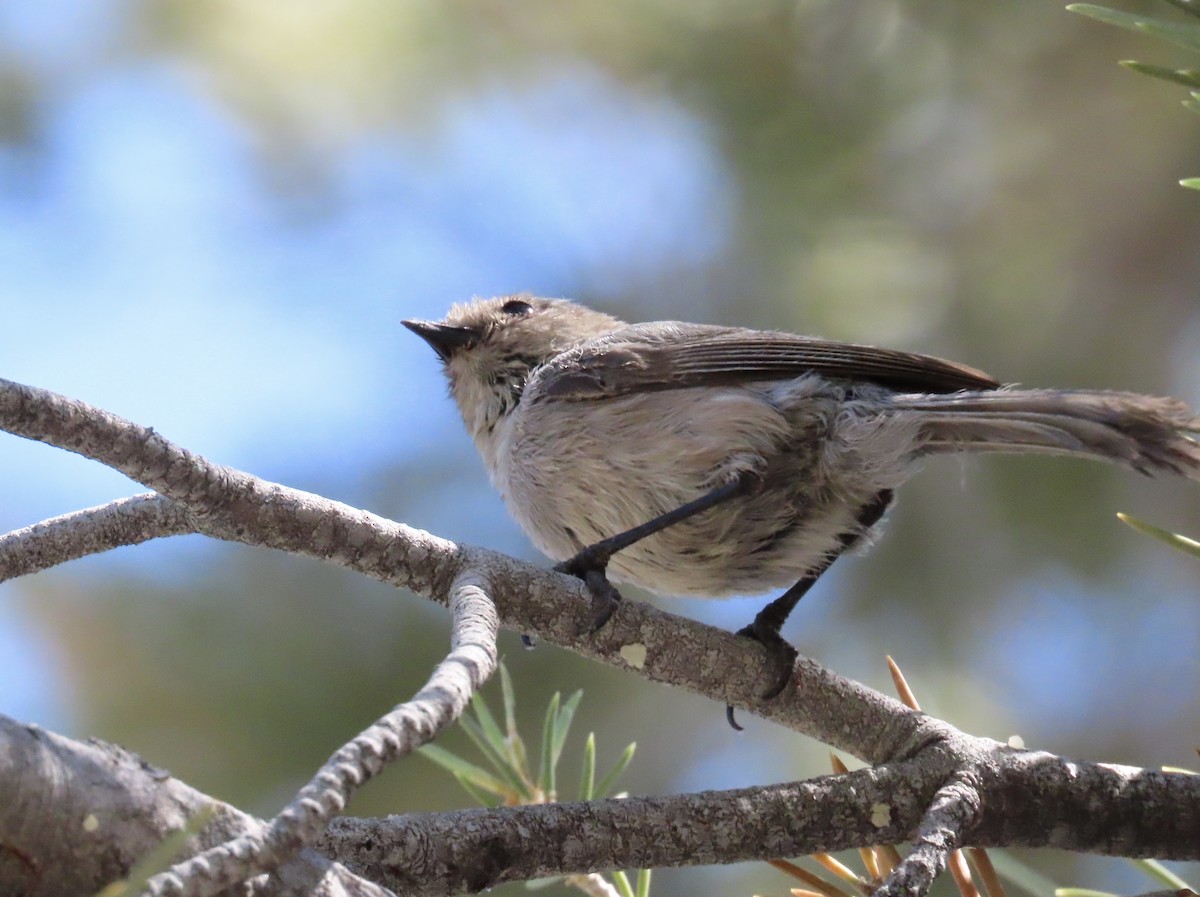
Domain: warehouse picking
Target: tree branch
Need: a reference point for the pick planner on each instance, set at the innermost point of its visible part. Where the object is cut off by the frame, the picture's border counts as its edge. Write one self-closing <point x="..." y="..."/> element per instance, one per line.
<point x="77" y="815"/>
<point x="126" y="521"/>
<point x="469" y="850"/>
<point x="235" y="506"/>
<point x="441" y="701"/>
<point x="940" y="787"/>
<point x="953" y="810"/>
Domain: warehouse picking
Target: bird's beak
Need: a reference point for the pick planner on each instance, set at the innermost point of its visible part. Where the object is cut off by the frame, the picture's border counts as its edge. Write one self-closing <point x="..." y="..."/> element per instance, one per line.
<point x="442" y="337"/>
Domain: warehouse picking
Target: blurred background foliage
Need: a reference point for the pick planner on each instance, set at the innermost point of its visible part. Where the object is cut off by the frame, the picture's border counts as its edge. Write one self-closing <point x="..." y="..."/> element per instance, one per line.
<point x="213" y="216"/>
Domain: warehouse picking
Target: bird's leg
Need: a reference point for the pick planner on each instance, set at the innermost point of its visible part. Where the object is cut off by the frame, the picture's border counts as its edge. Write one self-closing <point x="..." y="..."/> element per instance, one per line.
<point x="768" y="623"/>
<point x="590" y="563"/>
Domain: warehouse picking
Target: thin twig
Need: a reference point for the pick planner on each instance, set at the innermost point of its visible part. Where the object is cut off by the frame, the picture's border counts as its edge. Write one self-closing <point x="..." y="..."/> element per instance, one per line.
<point x="442" y="700"/>
<point x="954" y="809"/>
<point x="126" y="521"/>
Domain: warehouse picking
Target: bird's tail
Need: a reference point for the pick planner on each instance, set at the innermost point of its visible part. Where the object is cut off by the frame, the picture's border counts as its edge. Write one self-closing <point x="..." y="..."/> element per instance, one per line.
<point x="1149" y="434"/>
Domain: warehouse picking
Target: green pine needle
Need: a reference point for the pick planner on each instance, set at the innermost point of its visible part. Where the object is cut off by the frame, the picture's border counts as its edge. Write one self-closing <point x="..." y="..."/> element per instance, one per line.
<point x="1186" y="77"/>
<point x="1191" y="7"/>
<point x="621" y="880"/>
<point x="605" y="787"/>
<point x="510" y="696"/>
<point x="489" y="728"/>
<point x="643" y="883"/>
<point x="546" y="772"/>
<point x="1183" y="543"/>
<point x="1183" y="35"/>
<point x="511" y="775"/>
<point x="463" y="770"/>
<point x="562" y="726"/>
<point x="1162" y="874"/>
<point x="587" y="781"/>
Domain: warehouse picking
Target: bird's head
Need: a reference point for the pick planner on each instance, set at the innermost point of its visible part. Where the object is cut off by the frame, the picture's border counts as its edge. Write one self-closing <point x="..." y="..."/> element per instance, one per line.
<point x="490" y="346"/>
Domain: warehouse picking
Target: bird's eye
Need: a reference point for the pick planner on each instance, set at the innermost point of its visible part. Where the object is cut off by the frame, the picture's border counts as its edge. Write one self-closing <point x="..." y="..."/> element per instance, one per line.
<point x="516" y="307"/>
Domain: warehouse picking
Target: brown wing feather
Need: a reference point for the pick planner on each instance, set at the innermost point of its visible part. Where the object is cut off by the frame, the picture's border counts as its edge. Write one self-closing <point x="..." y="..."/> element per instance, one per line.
<point x="670" y="355"/>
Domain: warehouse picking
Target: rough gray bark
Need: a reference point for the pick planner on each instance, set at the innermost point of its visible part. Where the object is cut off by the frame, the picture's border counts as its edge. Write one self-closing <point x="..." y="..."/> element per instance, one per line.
<point x="937" y="787"/>
<point x="76" y="815"/>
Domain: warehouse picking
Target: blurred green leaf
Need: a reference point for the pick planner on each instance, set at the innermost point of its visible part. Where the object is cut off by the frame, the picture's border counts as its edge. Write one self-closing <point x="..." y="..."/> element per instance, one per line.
<point x="546" y="770"/>
<point x="643" y="882"/>
<point x="562" y="727"/>
<point x="489" y="728"/>
<point x="1186" y="77"/>
<point x="514" y="745"/>
<point x="481" y="798"/>
<point x="1183" y="543"/>
<point x="1021" y="875"/>
<point x="506" y="753"/>
<point x="537" y="884"/>
<point x="475" y="733"/>
<point x="1189" y="6"/>
<point x="508" y="695"/>
<point x="1162" y="874"/>
<point x="1186" y="36"/>
<point x="558" y="726"/>
<point x="621" y="880"/>
<point x="462" y="769"/>
<point x="587" y="781"/>
<point x="610" y="779"/>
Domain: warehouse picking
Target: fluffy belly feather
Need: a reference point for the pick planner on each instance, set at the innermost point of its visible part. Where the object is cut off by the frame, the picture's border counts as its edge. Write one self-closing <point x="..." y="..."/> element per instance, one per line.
<point x="634" y="458"/>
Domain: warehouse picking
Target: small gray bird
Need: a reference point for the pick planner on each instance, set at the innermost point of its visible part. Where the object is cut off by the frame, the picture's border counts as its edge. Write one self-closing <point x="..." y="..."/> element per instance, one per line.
<point x="692" y="459"/>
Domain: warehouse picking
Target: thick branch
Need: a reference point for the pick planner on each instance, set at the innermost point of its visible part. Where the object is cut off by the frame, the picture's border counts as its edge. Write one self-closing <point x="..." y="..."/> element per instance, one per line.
<point x="470" y="850"/>
<point x="236" y="506"/>
<point x="1027" y="799"/>
<point x="1037" y="799"/>
<point x="1021" y="798"/>
<point x="1068" y="807"/>
<point x="76" y="815"/>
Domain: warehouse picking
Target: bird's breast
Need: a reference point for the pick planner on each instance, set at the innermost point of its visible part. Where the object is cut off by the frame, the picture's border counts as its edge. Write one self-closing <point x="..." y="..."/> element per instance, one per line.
<point x="576" y="472"/>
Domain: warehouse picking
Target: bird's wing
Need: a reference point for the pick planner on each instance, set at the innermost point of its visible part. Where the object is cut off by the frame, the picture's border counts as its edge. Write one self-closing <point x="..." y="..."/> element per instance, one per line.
<point x="673" y="355"/>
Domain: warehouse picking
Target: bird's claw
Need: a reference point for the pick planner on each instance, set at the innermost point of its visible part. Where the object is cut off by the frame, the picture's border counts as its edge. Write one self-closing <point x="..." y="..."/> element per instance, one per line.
<point x="605" y="599"/>
<point x="588" y="565"/>
<point x="780" y="651"/>
<point x="585" y="561"/>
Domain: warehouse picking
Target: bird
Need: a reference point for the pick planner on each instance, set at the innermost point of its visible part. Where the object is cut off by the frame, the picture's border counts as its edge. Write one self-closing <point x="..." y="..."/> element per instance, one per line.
<point x="712" y="461"/>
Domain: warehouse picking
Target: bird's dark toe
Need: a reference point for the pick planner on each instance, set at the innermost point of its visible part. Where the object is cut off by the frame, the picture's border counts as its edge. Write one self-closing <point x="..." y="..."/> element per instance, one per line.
<point x="605" y="599"/>
<point x="586" y="560"/>
<point x="783" y="656"/>
<point x="783" y="660"/>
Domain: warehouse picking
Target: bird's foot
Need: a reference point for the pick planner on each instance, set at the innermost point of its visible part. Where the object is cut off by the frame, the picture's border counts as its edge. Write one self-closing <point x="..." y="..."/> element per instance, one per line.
<point x="589" y="565"/>
<point x="783" y="657"/>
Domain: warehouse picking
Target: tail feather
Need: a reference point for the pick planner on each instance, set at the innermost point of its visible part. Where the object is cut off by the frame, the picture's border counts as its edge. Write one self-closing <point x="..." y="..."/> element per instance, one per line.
<point x="1149" y="434"/>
